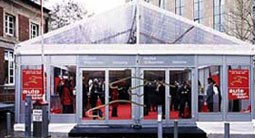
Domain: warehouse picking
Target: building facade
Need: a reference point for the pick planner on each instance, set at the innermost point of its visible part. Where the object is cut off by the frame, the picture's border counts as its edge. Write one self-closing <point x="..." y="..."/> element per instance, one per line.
<point x="221" y="15"/>
<point x="19" y="21"/>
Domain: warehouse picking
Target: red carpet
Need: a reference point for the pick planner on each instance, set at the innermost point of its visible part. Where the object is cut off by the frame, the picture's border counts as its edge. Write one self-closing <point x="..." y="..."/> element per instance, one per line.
<point x="153" y="115"/>
<point x="124" y="113"/>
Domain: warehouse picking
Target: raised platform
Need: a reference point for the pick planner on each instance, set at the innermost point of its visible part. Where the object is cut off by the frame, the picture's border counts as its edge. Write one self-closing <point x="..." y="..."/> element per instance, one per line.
<point x="125" y="131"/>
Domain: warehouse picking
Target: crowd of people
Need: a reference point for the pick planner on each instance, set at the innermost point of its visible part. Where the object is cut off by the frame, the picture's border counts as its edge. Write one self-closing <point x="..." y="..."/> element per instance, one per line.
<point x="154" y="95"/>
<point x="181" y="98"/>
<point x="93" y="95"/>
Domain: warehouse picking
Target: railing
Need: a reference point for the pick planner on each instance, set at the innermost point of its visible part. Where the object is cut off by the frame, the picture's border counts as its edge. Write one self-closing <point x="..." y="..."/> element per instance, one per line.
<point x="7" y="94"/>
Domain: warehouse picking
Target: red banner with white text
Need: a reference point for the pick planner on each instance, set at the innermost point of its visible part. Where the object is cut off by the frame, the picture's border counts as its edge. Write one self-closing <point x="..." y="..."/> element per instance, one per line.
<point x="32" y="84"/>
<point x="238" y="84"/>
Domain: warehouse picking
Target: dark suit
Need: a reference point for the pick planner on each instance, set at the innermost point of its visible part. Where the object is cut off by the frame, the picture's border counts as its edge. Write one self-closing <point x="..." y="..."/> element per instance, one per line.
<point x="209" y="99"/>
<point x="185" y="97"/>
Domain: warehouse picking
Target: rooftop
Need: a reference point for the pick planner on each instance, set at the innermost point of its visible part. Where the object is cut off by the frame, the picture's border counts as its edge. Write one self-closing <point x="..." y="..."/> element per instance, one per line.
<point x="140" y="23"/>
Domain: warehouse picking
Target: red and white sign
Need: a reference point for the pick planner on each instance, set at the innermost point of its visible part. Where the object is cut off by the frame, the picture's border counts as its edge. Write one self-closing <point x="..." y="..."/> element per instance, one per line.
<point x="32" y="84"/>
<point x="238" y="84"/>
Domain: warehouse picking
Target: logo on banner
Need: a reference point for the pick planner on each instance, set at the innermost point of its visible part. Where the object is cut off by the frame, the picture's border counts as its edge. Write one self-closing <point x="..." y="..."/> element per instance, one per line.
<point x="32" y="84"/>
<point x="238" y="84"/>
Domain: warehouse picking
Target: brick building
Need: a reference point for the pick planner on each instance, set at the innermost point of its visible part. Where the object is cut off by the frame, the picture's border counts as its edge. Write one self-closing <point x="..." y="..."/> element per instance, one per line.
<point x="19" y="21"/>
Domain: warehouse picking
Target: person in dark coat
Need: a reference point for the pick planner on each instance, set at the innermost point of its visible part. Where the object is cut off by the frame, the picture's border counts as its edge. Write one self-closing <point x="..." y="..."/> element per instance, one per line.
<point x="185" y="92"/>
<point x="161" y="95"/>
<point x="153" y="96"/>
<point x="174" y="96"/>
<point x="162" y="98"/>
<point x="93" y="96"/>
<point x="209" y="94"/>
<point x="146" y="99"/>
<point x="85" y="90"/>
<point x="115" y="96"/>
<point x="60" y="88"/>
<point x="67" y="98"/>
<point x="101" y="93"/>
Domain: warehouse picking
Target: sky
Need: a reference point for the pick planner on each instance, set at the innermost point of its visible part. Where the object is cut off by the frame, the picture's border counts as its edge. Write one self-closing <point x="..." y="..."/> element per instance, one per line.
<point x="92" y="6"/>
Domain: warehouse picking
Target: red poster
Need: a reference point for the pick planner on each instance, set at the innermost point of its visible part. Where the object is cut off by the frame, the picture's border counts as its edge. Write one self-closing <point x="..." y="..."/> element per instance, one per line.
<point x="32" y="84"/>
<point x="216" y="78"/>
<point x="238" y="84"/>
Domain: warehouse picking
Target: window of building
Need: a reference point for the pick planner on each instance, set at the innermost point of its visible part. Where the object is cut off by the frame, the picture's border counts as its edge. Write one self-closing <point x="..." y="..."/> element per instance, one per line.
<point x="34" y="28"/>
<point x="10" y="25"/>
<point x="179" y="7"/>
<point x="198" y="8"/>
<point x="9" y="67"/>
<point x="219" y="15"/>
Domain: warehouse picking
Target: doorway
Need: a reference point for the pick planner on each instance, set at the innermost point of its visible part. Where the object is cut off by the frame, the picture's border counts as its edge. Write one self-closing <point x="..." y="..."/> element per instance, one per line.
<point x="106" y="95"/>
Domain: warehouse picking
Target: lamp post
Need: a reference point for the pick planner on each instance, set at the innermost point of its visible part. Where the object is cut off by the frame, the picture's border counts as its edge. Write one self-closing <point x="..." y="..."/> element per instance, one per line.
<point x="42" y="52"/>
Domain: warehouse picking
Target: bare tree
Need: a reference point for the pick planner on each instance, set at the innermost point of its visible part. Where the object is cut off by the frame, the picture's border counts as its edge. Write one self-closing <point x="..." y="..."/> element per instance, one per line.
<point x="66" y="13"/>
<point x="239" y="20"/>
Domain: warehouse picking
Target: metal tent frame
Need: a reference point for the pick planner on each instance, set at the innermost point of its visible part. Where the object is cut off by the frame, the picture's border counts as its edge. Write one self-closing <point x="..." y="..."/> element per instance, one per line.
<point x="137" y="36"/>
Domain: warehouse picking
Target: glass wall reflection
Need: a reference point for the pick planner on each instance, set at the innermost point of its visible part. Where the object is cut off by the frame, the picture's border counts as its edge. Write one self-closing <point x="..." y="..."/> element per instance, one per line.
<point x="154" y="93"/>
<point x="120" y="94"/>
<point x="63" y="90"/>
<point x="93" y="91"/>
<point x="209" y="89"/>
<point x="180" y="91"/>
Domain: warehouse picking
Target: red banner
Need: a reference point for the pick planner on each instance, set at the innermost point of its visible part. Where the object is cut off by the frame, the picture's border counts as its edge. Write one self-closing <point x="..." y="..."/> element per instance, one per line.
<point x="238" y="84"/>
<point x="32" y="84"/>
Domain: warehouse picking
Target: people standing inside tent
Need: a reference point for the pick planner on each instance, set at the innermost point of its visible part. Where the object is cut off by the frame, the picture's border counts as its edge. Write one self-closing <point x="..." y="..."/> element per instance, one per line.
<point x="217" y="92"/>
<point x="93" y="97"/>
<point x="146" y="98"/>
<point x="85" y="89"/>
<point x="67" y="98"/>
<point x="161" y="95"/>
<point x="154" y="96"/>
<point x="185" y="94"/>
<point x="188" y="82"/>
<point x="209" y="94"/>
<point x="115" y="97"/>
<point x="101" y="92"/>
<point x="60" y="87"/>
<point x="175" y="98"/>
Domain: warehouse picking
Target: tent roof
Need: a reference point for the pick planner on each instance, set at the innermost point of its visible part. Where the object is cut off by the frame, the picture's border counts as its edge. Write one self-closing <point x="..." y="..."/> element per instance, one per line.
<point x="142" y="49"/>
<point x="120" y="26"/>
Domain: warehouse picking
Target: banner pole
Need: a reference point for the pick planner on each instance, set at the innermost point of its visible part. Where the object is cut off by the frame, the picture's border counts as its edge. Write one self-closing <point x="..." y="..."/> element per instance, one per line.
<point x="42" y="51"/>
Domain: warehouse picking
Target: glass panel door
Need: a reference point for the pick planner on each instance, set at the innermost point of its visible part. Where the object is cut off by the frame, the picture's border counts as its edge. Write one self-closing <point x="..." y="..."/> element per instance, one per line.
<point x="154" y="93"/>
<point x="209" y="89"/>
<point x="93" y="91"/>
<point x="120" y="96"/>
<point x="180" y="94"/>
